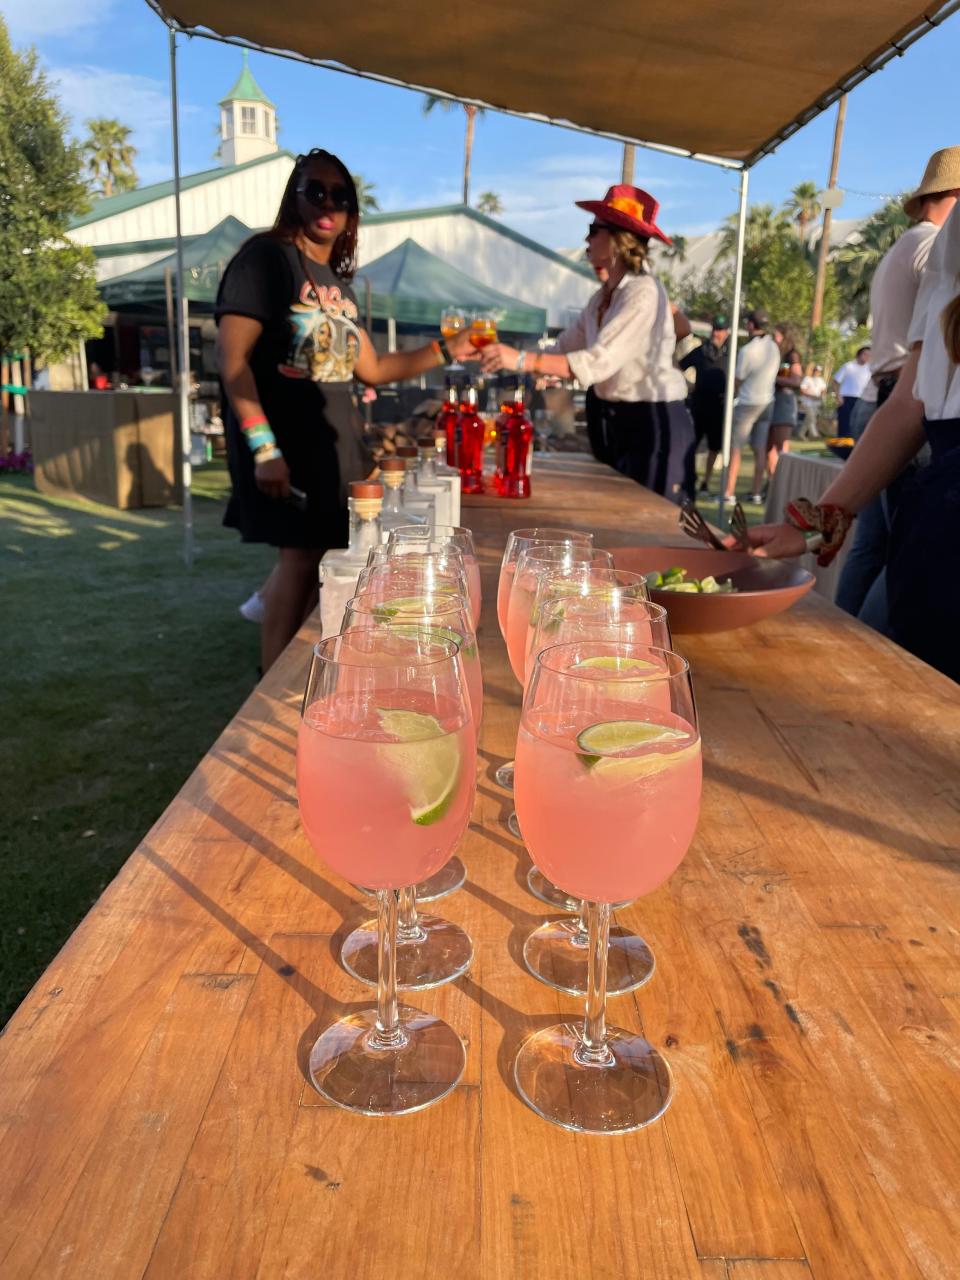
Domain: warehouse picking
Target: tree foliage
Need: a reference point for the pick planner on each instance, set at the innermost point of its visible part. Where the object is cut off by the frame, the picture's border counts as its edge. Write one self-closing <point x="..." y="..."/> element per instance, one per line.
<point x="803" y="207"/>
<point x="432" y="102"/>
<point x="48" y="295"/>
<point x="109" y="156"/>
<point x="856" y="261"/>
<point x="490" y="202"/>
<point x="366" y="194"/>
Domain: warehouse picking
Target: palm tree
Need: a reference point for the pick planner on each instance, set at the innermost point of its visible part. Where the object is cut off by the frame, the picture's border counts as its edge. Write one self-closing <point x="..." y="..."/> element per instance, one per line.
<point x="448" y="104"/>
<point x="764" y="224"/>
<point x="109" y="157"/>
<point x="803" y="207"/>
<point x="490" y="202"/>
<point x="367" y="201"/>
<point x="677" y="252"/>
<point x="856" y="261"/>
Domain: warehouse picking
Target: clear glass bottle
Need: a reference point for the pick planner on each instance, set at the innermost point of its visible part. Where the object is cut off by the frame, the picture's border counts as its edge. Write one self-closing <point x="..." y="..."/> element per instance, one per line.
<point x="340" y="566"/>
<point x="449" y="475"/>
<point x="414" y="497"/>
<point x="429" y="482"/>
<point x="395" y="511"/>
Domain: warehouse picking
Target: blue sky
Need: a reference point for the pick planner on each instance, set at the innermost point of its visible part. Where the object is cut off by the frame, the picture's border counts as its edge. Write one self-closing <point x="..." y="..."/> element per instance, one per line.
<point x="109" y="57"/>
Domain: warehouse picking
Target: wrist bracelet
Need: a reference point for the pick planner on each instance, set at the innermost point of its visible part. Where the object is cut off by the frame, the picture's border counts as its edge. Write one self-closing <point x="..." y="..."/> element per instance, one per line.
<point x="441" y="343"/>
<point x="266" y="453"/>
<point x="521" y="362"/>
<point x="253" y="420"/>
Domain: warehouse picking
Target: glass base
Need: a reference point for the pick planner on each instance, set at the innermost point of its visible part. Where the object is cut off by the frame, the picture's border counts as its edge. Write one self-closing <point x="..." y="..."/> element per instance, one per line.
<point x="448" y="879"/>
<point x="504" y="776"/>
<point x="351" y="1070"/>
<point x="547" y="892"/>
<point x="628" y="1092"/>
<point x="556" y="953"/>
<point x="513" y="825"/>
<point x="441" y="953"/>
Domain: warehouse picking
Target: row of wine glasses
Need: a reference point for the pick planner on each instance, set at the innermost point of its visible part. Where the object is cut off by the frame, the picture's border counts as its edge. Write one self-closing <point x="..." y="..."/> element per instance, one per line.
<point x="606" y="780"/>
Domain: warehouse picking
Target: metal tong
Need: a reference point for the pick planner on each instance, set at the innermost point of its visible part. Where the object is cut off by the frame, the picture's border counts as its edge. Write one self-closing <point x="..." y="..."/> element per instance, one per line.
<point x="693" y="524"/>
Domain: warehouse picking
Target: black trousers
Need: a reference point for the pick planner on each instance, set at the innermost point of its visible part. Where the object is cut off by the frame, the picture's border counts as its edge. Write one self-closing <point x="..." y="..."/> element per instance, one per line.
<point x="922" y="590"/>
<point x="652" y="443"/>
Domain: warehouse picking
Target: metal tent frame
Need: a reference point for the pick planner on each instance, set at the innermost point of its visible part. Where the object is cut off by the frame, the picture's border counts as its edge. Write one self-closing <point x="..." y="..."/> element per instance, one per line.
<point x="891" y="48"/>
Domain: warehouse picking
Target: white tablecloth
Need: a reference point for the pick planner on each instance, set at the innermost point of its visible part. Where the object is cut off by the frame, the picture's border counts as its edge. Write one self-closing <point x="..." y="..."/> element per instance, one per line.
<point x="801" y="476"/>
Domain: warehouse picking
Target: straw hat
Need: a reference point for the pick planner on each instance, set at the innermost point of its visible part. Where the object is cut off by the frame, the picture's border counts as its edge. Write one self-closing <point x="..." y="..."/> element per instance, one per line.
<point x="942" y="174"/>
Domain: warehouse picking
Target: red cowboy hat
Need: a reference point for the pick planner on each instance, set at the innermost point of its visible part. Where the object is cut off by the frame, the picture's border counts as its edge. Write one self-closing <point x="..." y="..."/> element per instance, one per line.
<point x="627" y="207"/>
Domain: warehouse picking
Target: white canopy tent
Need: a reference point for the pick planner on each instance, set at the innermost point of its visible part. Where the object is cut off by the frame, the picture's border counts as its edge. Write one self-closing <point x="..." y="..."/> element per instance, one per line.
<point x="717" y="84"/>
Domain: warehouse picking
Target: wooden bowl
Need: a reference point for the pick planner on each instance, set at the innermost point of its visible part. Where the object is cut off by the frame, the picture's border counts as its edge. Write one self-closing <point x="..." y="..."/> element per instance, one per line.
<point x="764" y="587"/>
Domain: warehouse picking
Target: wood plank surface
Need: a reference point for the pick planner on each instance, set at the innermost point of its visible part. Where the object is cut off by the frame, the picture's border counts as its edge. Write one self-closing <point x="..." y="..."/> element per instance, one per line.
<point x="156" y="1118"/>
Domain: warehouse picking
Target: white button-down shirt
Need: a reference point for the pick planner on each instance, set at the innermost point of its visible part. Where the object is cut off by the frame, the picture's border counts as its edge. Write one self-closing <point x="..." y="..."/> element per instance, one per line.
<point x="629" y="357"/>
<point x="938" y="378"/>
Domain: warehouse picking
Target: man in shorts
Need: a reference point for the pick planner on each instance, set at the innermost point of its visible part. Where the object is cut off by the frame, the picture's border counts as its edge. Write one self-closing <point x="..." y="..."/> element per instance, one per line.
<point x="757" y="366"/>
<point x="709" y="361"/>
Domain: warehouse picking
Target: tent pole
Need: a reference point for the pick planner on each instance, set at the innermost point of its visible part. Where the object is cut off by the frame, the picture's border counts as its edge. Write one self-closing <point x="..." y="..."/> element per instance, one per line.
<point x="183" y="332"/>
<point x="732" y="343"/>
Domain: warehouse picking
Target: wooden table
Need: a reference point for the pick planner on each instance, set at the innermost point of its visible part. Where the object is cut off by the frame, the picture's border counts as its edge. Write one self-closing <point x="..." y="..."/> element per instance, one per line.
<point x="156" y="1119"/>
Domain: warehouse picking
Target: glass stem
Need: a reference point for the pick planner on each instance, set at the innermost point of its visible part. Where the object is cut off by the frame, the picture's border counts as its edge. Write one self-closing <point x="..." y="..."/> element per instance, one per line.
<point x="593" y="1051"/>
<point x="388" y="1034"/>
<point x="409" y="929"/>
<point x="581" y="933"/>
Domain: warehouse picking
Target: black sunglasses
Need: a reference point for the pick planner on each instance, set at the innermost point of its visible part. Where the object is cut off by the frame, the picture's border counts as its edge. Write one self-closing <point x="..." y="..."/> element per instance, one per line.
<point x="318" y="193"/>
<point x="595" y="227"/>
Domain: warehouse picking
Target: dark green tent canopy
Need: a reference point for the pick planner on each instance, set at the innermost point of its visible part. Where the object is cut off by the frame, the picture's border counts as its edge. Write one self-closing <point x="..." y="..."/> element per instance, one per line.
<point x="413" y="286"/>
<point x="204" y="258"/>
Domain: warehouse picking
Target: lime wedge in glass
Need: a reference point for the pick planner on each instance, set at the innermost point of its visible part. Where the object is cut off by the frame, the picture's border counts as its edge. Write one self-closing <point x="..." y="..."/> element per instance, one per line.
<point x="614" y="662"/>
<point x="425" y="758"/>
<point x="606" y="744"/>
<point x="410" y="630"/>
<point x="413" y="604"/>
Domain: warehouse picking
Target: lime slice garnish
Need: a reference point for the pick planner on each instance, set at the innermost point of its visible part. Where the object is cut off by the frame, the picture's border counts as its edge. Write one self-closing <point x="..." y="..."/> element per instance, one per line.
<point x="607" y="742"/>
<point x="410" y="630"/>
<point x="690" y="588"/>
<point x="427" y="760"/>
<point x="411" y="604"/>
<point x="613" y="662"/>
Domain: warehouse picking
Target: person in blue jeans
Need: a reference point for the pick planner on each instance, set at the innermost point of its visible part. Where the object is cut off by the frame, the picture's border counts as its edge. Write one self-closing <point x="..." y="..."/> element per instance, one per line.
<point x="861" y="589"/>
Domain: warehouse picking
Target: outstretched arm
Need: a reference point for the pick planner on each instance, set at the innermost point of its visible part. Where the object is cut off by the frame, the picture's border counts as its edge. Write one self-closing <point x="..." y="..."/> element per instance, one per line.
<point x="394" y="366"/>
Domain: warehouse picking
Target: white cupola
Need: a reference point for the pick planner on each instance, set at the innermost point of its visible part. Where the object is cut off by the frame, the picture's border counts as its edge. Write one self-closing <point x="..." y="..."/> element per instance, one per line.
<point x="248" y="121"/>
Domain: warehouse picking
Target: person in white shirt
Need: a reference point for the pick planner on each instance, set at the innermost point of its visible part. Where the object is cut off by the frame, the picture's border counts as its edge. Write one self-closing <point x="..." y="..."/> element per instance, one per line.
<point x="923" y="594"/>
<point x="758" y="363"/>
<point x="850" y="382"/>
<point x="812" y="390"/>
<point x="861" y="589"/>
<point x="621" y="347"/>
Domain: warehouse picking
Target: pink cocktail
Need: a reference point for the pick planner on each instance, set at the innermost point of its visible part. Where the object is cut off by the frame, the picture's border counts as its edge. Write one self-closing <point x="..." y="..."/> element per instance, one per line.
<point x="381" y="811"/>
<point x="507" y="570"/>
<point x="608" y="830"/>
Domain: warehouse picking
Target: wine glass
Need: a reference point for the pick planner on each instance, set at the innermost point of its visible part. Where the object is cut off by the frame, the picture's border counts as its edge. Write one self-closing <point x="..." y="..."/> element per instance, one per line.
<point x="483" y="329"/>
<point x="411" y="580"/>
<point x="608" y="777"/>
<point x="556" y="952"/>
<point x="386" y="778"/>
<point x="518" y="541"/>
<point x="414" y="537"/>
<point x="452" y="321"/>
<point x="430" y="950"/>
<point x="531" y="565"/>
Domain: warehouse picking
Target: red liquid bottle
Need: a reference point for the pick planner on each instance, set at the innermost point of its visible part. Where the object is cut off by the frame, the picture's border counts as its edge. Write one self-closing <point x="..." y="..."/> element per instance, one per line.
<point x="500" y="424"/>
<point x="469" y="432"/>
<point x="517" y="451"/>
<point x="447" y="423"/>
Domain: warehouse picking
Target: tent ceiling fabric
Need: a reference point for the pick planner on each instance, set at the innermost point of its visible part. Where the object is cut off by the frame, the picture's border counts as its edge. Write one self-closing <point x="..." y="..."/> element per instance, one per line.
<point x="724" y="80"/>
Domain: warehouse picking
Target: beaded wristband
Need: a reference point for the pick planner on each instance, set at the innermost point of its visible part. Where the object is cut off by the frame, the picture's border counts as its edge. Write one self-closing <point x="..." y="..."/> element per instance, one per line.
<point x="824" y="525"/>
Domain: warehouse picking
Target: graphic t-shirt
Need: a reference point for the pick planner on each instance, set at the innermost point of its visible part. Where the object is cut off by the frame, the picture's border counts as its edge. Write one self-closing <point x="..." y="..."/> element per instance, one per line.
<point x="303" y="367"/>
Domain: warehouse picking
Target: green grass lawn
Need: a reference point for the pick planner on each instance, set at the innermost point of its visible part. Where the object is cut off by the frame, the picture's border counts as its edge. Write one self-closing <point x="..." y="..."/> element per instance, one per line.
<point x="120" y="667"/>
<point x="709" y="504"/>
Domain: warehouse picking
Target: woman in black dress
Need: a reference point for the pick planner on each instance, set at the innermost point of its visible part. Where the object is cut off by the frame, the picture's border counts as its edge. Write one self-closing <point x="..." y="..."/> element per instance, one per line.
<point x="289" y="346"/>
